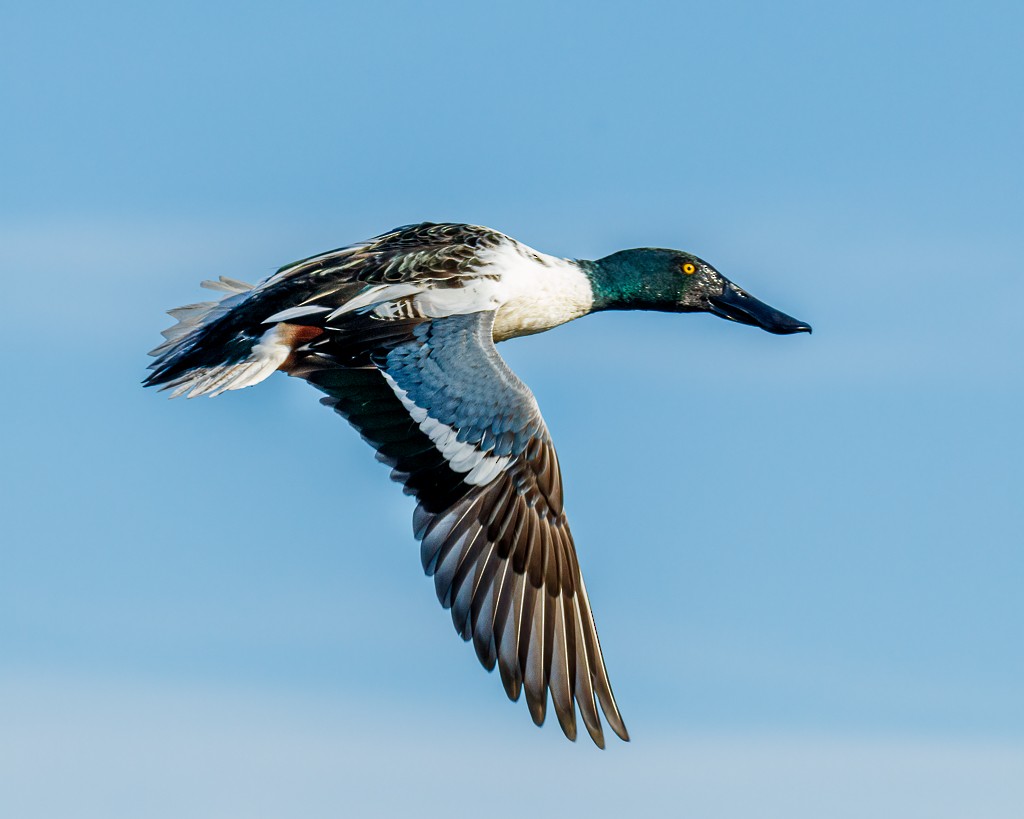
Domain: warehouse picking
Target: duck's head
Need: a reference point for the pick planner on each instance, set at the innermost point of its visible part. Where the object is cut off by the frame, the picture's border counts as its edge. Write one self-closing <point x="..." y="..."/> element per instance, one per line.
<point x="674" y="281"/>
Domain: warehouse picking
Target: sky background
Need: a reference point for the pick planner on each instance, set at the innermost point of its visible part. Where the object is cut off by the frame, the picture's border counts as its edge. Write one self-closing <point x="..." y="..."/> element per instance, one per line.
<point x="804" y="553"/>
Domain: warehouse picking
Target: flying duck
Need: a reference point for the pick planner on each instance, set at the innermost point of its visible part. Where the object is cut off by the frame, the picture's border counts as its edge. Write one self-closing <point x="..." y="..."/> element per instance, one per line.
<point x="399" y="332"/>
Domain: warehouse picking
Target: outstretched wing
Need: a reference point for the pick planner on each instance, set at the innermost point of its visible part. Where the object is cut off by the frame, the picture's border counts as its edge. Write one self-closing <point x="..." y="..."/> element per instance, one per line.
<point x="466" y="438"/>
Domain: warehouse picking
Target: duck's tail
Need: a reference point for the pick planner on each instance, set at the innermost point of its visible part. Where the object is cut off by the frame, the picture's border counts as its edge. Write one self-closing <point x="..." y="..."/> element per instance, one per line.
<point x="214" y="346"/>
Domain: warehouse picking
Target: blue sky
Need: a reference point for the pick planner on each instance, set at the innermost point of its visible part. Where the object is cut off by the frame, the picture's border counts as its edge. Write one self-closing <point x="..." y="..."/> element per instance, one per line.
<point x="804" y="554"/>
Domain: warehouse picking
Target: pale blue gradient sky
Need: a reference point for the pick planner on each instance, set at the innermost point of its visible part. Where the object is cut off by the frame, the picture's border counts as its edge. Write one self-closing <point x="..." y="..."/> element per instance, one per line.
<point x="804" y="553"/>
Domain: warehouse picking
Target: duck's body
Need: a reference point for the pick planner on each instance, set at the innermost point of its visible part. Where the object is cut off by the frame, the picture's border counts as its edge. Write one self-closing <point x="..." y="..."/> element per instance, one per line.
<point x="399" y="331"/>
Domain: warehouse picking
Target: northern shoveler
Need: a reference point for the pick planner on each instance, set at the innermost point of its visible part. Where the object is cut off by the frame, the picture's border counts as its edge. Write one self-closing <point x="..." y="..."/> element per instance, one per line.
<point x="399" y="332"/>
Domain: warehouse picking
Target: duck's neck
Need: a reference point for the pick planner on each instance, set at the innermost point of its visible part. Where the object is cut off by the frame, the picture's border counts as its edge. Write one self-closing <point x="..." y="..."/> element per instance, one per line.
<point x="619" y="286"/>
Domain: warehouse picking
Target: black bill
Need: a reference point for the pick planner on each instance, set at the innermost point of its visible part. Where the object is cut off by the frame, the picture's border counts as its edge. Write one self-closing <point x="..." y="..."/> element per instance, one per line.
<point x="736" y="305"/>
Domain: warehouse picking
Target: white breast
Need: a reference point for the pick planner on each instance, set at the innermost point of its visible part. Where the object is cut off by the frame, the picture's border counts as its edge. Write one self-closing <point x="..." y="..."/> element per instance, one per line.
<point x="536" y="291"/>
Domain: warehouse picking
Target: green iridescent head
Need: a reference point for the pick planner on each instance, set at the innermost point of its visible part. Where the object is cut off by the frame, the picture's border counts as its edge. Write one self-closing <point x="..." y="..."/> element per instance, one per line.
<point x="674" y="281"/>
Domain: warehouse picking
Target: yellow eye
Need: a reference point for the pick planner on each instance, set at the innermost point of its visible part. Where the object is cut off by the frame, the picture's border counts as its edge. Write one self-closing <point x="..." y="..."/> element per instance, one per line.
<point x="689" y="269"/>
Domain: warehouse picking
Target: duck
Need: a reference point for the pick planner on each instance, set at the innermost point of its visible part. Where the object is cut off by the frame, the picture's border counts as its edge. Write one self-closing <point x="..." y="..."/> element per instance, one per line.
<point x="399" y="333"/>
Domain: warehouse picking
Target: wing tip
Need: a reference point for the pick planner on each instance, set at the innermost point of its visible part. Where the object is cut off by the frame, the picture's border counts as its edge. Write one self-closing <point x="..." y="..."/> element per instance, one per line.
<point x="567" y="722"/>
<point x="538" y="706"/>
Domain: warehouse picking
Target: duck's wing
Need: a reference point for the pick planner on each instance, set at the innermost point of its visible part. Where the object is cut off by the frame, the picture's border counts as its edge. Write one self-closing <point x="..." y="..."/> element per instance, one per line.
<point x="465" y="436"/>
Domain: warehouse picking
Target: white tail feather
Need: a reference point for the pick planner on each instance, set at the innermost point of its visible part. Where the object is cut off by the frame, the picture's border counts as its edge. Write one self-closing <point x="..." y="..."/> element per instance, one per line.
<point x="227" y="285"/>
<point x="267" y="355"/>
<point x="193" y="316"/>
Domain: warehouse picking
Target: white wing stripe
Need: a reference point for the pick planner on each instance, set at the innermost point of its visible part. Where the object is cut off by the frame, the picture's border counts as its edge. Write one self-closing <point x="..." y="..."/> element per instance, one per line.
<point x="480" y="467"/>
